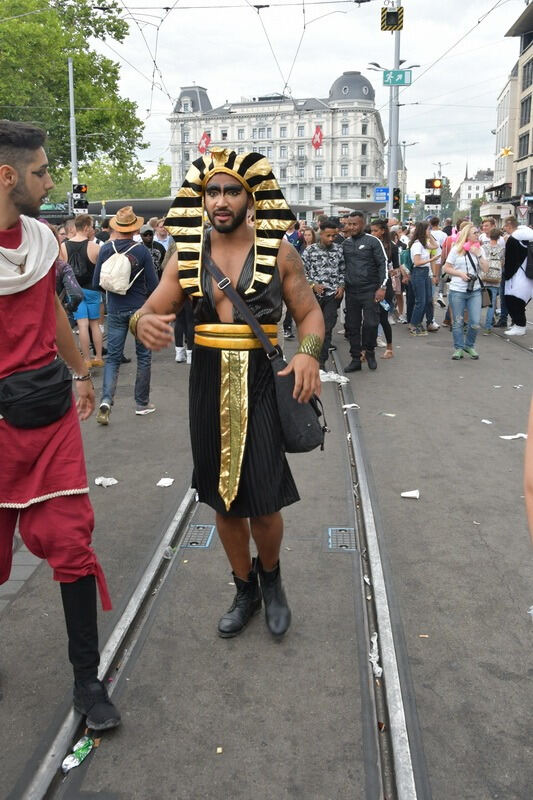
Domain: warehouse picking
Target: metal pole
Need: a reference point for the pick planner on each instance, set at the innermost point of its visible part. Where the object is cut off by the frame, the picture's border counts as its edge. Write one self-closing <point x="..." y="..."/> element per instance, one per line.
<point x="395" y="125"/>
<point x="404" y="181"/>
<point x="73" y="151"/>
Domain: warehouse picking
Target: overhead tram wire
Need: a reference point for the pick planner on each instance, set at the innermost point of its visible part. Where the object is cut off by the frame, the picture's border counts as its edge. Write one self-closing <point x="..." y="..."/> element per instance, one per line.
<point x="260" y="6"/>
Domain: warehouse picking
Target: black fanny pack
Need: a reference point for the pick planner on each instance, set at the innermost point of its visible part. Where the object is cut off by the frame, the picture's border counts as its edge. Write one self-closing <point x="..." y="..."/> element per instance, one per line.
<point x="36" y="397"/>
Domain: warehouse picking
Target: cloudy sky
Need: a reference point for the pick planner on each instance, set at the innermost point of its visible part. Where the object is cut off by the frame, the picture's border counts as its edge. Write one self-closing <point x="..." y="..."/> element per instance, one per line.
<point x="226" y="46"/>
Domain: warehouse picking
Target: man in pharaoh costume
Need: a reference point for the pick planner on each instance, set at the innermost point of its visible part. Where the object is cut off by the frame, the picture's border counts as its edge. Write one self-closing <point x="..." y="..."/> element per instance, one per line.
<point x="240" y="468"/>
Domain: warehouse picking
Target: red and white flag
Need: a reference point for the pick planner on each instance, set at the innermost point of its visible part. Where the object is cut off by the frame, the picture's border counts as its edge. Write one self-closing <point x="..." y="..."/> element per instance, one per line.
<point x="318" y="136"/>
<point x="203" y="144"/>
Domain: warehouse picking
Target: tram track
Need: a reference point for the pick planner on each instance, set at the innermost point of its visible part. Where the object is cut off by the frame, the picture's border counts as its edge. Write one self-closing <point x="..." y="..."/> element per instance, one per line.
<point x="394" y="760"/>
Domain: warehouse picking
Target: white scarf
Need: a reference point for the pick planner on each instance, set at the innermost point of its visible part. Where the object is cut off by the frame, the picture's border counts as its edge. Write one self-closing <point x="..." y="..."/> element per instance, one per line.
<point x="31" y="260"/>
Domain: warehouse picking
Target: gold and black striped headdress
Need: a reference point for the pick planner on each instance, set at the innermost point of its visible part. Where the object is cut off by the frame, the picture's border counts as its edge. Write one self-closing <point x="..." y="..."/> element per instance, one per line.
<point x="185" y="220"/>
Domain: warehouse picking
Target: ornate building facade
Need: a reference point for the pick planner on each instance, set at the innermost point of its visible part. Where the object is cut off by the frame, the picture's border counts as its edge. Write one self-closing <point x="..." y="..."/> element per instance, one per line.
<point x="339" y="174"/>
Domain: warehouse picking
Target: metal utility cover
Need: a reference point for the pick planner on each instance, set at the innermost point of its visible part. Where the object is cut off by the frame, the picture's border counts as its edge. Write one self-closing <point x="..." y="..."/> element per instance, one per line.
<point x="341" y="539"/>
<point x="198" y="536"/>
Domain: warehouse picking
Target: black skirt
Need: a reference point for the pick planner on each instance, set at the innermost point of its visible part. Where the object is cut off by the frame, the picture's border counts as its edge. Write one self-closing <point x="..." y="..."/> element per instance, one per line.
<point x="266" y="482"/>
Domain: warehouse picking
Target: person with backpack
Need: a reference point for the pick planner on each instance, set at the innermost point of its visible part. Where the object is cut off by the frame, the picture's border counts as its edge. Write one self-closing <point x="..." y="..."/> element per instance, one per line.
<point x="124" y="269"/>
<point x="82" y="254"/>
<point x="518" y="275"/>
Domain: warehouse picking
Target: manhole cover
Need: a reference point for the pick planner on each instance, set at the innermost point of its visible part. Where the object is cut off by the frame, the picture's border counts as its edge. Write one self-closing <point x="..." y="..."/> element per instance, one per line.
<point x="198" y="536"/>
<point x="341" y="539"/>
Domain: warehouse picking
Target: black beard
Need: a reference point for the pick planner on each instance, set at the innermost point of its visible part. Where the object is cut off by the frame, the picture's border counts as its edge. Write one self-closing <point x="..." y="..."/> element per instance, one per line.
<point x="232" y="225"/>
<point x="23" y="204"/>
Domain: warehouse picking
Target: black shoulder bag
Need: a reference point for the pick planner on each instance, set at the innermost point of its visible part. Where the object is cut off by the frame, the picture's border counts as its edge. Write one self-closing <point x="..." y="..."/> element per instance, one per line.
<point x="300" y="422"/>
<point x="486" y="297"/>
<point x="36" y="397"/>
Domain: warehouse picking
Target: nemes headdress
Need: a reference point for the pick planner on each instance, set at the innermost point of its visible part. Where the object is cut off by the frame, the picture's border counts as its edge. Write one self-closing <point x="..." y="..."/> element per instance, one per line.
<point x="185" y="220"/>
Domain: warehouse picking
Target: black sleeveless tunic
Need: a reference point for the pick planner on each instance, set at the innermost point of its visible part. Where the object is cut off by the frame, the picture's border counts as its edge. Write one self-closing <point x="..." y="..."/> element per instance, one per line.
<point x="266" y="483"/>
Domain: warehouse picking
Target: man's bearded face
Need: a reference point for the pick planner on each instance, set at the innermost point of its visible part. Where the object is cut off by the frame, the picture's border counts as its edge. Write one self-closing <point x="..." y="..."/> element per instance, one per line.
<point x="226" y="203"/>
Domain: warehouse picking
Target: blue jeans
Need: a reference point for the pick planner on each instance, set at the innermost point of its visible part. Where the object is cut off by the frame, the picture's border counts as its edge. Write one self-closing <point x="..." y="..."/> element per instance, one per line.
<point x="117" y="331"/>
<point x="459" y="301"/>
<point x="423" y="290"/>
<point x="489" y="317"/>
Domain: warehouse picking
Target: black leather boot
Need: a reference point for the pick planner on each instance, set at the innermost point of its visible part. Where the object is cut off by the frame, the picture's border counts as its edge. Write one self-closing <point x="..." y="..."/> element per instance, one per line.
<point x="90" y="695"/>
<point x="277" y="611"/>
<point x="246" y="603"/>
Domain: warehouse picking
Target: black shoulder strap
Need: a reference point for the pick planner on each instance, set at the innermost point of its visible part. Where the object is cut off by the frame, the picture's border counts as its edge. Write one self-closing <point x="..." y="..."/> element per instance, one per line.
<point x="224" y="284"/>
<point x="475" y="269"/>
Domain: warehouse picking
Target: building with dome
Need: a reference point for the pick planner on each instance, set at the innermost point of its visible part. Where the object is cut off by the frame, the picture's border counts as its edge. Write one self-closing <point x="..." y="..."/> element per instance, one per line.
<point x="340" y="174"/>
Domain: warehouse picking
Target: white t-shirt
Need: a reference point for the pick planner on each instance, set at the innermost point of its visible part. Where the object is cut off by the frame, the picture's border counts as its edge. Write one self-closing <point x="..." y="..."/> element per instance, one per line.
<point x="418" y="249"/>
<point x="439" y="236"/>
<point x="462" y="263"/>
<point x="484" y="239"/>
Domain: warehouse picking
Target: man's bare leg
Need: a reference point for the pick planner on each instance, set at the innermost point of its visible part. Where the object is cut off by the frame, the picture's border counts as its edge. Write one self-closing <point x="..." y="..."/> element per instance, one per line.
<point x="234" y="534"/>
<point x="267" y="532"/>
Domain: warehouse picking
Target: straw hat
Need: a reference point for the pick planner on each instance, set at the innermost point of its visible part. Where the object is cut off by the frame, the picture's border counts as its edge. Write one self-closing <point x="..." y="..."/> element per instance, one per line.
<point x="125" y="220"/>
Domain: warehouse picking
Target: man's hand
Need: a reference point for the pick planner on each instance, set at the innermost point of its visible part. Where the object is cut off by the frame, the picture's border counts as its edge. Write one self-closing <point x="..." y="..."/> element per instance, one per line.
<point x="85" y="402"/>
<point x="154" y="330"/>
<point x="306" y="376"/>
<point x="379" y="296"/>
<point x="339" y="293"/>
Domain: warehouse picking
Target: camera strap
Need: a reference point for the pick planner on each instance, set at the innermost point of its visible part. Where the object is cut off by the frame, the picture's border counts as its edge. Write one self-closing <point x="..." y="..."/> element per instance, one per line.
<point x="474" y="267"/>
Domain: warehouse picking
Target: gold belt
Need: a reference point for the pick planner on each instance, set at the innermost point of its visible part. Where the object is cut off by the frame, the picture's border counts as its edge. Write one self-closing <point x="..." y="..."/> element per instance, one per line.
<point x="223" y="336"/>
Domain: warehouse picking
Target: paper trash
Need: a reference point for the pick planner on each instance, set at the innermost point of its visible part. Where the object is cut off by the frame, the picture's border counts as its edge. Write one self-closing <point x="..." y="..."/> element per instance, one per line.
<point x="415" y="493"/>
<point x="385" y="414"/>
<point x="373" y="656"/>
<point x="102" y="481"/>
<point x="333" y="376"/>
<point x="165" y="482"/>
<point x="351" y="405"/>
<point x="515" y="436"/>
<point x="486" y="421"/>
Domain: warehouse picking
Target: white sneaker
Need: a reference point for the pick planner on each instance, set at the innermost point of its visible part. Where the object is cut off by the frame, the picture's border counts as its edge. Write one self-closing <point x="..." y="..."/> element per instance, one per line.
<point x="517" y="330"/>
<point x="392" y="321"/>
<point x="188" y="355"/>
<point x="143" y="410"/>
<point x="433" y="326"/>
<point x="381" y="342"/>
<point x="403" y="319"/>
<point x="181" y="355"/>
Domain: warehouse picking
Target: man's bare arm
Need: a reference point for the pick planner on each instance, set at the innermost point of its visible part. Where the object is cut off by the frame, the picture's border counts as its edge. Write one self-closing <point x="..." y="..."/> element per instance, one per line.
<point x="161" y="308"/>
<point x="69" y="352"/>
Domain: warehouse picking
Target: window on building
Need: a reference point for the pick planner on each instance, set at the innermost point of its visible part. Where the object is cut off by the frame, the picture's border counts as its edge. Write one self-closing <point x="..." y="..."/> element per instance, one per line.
<point x="240" y="150"/>
<point x="282" y="131"/>
<point x="301" y="151"/>
<point x="301" y="131"/>
<point x="301" y="172"/>
<point x="269" y="152"/>
<point x="283" y="173"/>
<point x="523" y="144"/>
<point x="318" y="171"/>
<point x="344" y="149"/>
<point x="186" y="137"/>
<point x="469" y="195"/>
<point x="521" y="181"/>
<point x="224" y="135"/>
<point x="187" y="156"/>
<point x="300" y="192"/>
<point x="344" y="170"/>
<point x="531" y="180"/>
<point x="269" y="133"/>
<point x="364" y="192"/>
<point x="363" y="170"/>
<point x="343" y="192"/>
<point x="318" y="152"/>
<point x="344" y="129"/>
<point x="261" y="150"/>
<point x="477" y="188"/>
<point x="318" y="193"/>
<point x="525" y="111"/>
<point x="240" y="134"/>
<point x="261" y="132"/>
<point x="364" y="129"/>
<point x="527" y="74"/>
<point x="254" y="133"/>
<point x="186" y="106"/>
<point x="364" y="149"/>
<point x="283" y="151"/>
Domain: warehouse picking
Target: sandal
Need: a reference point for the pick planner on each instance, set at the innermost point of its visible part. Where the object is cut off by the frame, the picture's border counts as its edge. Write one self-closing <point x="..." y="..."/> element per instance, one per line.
<point x="388" y="353"/>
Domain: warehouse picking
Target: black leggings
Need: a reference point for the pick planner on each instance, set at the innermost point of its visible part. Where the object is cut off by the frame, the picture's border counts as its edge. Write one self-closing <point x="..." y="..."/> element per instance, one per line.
<point x="517" y="310"/>
<point x="385" y="324"/>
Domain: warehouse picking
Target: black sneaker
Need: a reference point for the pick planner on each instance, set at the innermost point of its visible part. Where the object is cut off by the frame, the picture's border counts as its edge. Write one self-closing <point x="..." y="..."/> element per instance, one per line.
<point x="91" y="700"/>
<point x="353" y="366"/>
<point x="371" y="360"/>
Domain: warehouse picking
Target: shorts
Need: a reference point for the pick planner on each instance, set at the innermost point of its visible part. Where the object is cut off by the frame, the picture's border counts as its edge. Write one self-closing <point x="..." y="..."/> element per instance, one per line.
<point x="89" y="308"/>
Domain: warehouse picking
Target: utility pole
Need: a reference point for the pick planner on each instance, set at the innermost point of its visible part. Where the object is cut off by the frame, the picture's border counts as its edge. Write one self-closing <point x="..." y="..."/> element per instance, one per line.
<point x="394" y="117"/>
<point x="440" y="165"/>
<point x="404" y="176"/>
<point x="73" y="150"/>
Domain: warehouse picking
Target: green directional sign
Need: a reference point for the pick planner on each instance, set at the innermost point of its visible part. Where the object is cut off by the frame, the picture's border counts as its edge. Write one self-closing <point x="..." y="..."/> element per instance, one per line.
<point x="397" y="77"/>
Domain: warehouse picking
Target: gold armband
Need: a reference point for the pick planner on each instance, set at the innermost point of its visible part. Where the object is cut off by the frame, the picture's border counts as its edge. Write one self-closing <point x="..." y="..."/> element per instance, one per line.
<point x="311" y="345"/>
<point x="134" y="321"/>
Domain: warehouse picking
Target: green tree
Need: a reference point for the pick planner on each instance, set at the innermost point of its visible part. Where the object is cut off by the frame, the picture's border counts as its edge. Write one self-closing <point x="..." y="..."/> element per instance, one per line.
<point x="108" y="181"/>
<point x="447" y="203"/>
<point x="475" y="216"/>
<point x="34" y="49"/>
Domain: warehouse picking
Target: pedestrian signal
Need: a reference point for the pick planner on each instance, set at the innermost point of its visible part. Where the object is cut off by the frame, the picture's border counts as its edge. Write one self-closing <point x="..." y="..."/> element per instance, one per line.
<point x="433" y="183"/>
<point x="79" y="197"/>
<point x="396" y="199"/>
<point x="392" y="19"/>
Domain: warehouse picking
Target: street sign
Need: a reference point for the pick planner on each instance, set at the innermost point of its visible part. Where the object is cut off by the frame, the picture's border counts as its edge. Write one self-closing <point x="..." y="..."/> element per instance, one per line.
<point x="381" y="194"/>
<point x="522" y="212"/>
<point x="397" y="77"/>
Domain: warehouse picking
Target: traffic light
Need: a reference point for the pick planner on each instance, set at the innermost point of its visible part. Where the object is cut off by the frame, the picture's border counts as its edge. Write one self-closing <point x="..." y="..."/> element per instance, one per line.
<point x="434" y="183"/>
<point x="396" y="199"/>
<point x="80" y="202"/>
<point x="392" y="19"/>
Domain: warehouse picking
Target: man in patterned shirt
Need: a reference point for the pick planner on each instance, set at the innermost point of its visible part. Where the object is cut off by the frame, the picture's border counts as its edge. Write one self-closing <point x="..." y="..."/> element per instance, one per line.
<point x="324" y="267"/>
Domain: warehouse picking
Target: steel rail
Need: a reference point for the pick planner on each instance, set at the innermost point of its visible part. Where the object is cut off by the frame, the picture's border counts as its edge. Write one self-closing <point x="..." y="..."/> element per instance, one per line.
<point x="51" y="762"/>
